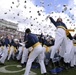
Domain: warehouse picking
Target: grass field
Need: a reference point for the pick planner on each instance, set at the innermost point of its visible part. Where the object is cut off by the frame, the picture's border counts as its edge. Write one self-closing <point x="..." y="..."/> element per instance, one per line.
<point x="14" y="68"/>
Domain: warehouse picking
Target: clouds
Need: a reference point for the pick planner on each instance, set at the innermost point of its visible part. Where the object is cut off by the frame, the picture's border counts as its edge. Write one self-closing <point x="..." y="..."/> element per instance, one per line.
<point x="20" y="10"/>
<point x="72" y="7"/>
<point x="59" y="5"/>
<point x="75" y="2"/>
<point x="29" y="15"/>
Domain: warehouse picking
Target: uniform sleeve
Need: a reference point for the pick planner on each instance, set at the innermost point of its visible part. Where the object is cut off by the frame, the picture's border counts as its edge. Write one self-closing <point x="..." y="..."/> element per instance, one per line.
<point x="49" y="43"/>
<point x="70" y="36"/>
<point x="29" y="42"/>
<point x="52" y="20"/>
<point x="74" y="37"/>
<point x="25" y="37"/>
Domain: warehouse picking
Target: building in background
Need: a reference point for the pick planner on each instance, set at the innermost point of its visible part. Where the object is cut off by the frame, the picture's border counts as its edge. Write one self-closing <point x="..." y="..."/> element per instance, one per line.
<point x="8" y="28"/>
<point x="8" y="24"/>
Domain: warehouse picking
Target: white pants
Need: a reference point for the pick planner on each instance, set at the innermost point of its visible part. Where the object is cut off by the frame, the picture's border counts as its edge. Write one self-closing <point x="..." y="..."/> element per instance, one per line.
<point x="1" y="51"/>
<point x="73" y="60"/>
<point x="37" y="52"/>
<point x="20" y="53"/>
<point x="60" y="39"/>
<point x="69" y="51"/>
<point x="11" y="52"/>
<point x="4" y="55"/>
<point x="75" y="54"/>
<point x="24" y="55"/>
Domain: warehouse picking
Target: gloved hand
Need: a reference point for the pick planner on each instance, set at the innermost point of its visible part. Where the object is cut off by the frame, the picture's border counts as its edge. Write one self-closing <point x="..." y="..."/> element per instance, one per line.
<point x="47" y="17"/>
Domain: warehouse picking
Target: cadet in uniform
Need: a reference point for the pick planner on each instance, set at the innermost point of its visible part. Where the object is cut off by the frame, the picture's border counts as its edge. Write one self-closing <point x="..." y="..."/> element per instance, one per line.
<point x="32" y="41"/>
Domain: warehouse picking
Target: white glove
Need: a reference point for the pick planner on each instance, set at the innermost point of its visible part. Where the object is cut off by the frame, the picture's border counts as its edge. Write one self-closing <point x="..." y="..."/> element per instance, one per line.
<point x="47" y="17"/>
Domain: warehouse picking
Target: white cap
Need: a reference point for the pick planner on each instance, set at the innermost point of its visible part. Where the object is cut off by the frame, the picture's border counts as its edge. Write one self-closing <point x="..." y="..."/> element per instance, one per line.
<point x="16" y="40"/>
<point x="2" y="37"/>
<point x="47" y="38"/>
<point x="22" y="44"/>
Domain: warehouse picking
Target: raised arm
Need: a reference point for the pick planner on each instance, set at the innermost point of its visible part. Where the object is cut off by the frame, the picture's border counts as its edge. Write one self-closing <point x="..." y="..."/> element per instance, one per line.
<point x="52" y="20"/>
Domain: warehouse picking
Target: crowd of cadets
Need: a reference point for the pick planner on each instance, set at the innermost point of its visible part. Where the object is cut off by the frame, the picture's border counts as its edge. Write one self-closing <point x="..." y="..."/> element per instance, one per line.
<point x="16" y="50"/>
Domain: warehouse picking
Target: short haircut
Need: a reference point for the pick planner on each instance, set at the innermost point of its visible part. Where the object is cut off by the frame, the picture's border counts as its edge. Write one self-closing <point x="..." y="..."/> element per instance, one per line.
<point x="27" y="30"/>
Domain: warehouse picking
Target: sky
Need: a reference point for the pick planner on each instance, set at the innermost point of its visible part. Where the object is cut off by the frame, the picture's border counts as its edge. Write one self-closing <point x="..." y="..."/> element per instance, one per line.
<point x="50" y="5"/>
<point x="32" y="13"/>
